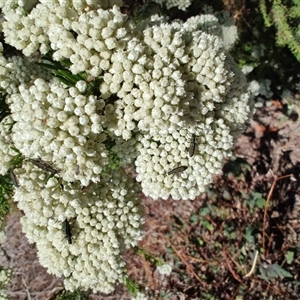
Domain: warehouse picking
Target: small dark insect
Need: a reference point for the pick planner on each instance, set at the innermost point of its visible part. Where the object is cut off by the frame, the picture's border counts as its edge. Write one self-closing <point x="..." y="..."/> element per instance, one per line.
<point x="67" y="230"/>
<point x="177" y="170"/>
<point x="14" y="178"/>
<point x="77" y="170"/>
<point x="38" y="162"/>
<point x="87" y="187"/>
<point x="192" y="145"/>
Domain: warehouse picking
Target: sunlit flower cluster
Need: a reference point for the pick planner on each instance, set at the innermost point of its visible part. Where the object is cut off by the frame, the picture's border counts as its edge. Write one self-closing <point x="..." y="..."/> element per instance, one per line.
<point x="173" y="82"/>
<point x="187" y="85"/>
<point x="6" y="151"/>
<point x="164" y="96"/>
<point x="87" y="35"/>
<point x="105" y="220"/>
<point x="17" y="70"/>
<point x="62" y="126"/>
<point x="180" y="4"/>
<point x="5" y="276"/>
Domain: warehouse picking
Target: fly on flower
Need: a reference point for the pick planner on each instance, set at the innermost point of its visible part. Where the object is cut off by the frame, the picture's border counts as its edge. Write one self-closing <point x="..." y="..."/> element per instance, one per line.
<point x="177" y="170"/>
<point x="14" y="178"/>
<point x="192" y="147"/>
<point x="77" y="170"/>
<point x="38" y="162"/>
<point x="66" y="227"/>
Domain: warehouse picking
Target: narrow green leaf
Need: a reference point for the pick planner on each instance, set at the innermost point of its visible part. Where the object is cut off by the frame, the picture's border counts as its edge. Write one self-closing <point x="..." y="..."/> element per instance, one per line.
<point x="48" y="66"/>
<point x="280" y="271"/>
<point x="289" y="256"/>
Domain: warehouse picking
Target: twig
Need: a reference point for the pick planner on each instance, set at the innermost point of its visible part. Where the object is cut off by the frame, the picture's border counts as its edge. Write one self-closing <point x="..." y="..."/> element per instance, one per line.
<point x="203" y="261"/>
<point x="230" y="268"/>
<point x="188" y="266"/>
<point x="149" y="274"/>
<point x="267" y="204"/>
<point x="253" y="265"/>
<point x="27" y="291"/>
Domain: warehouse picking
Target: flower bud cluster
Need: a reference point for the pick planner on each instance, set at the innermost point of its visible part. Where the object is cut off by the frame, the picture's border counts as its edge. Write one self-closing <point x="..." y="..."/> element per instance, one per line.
<point x="5" y="277"/>
<point x="172" y="102"/>
<point x="180" y="4"/>
<point x="105" y="220"/>
<point x="16" y="70"/>
<point x="174" y="85"/>
<point x="87" y="35"/>
<point x="139" y="296"/>
<point x="189" y="87"/>
<point x="160" y="155"/>
<point x="62" y="126"/>
<point x="6" y="151"/>
<point x="164" y="269"/>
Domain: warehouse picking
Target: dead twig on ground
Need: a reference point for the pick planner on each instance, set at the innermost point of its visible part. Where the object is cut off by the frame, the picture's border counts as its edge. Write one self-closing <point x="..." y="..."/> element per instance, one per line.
<point x="267" y="205"/>
<point x="236" y="277"/>
<point x="188" y="266"/>
<point x="253" y="265"/>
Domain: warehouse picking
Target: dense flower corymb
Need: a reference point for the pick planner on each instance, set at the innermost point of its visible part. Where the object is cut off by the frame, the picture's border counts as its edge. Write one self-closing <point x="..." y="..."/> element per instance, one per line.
<point x="62" y="126"/>
<point x="165" y="97"/>
<point x="105" y="221"/>
<point x="188" y="88"/>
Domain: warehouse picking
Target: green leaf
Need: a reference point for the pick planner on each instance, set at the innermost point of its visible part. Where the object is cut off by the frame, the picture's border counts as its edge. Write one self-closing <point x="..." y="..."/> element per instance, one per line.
<point x="200" y="241"/>
<point x="131" y="285"/>
<point x="249" y="236"/>
<point x="47" y="66"/>
<point x="17" y="159"/>
<point x="255" y="200"/>
<point x="207" y="225"/>
<point x="61" y="70"/>
<point x="194" y="219"/>
<point x="289" y="256"/>
<point x="260" y="201"/>
<point x="281" y="272"/>
<point x="6" y="191"/>
<point x="205" y="211"/>
<point x="268" y="272"/>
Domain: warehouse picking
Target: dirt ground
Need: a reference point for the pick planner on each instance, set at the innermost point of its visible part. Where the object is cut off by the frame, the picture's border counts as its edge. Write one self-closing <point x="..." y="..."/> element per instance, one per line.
<point x="269" y="149"/>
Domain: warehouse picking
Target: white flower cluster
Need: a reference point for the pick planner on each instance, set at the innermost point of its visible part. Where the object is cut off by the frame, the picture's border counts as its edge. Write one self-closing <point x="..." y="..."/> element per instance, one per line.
<point x="140" y="296"/>
<point x="62" y="126"/>
<point x="3" y="295"/>
<point x="164" y="269"/>
<point x="220" y="24"/>
<point x="172" y="101"/>
<point x="104" y="220"/>
<point x="185" y="92"/>
<point x="158" y="158"/>
<point x="180" y="4"/>
<point x="16" y="70"/>
<point x="15" y="4"/>
<point x="87" y="35"/>
<point x="6" y="144"/>
<point x="5" y="277"/>
<point x="2" y="235"/>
